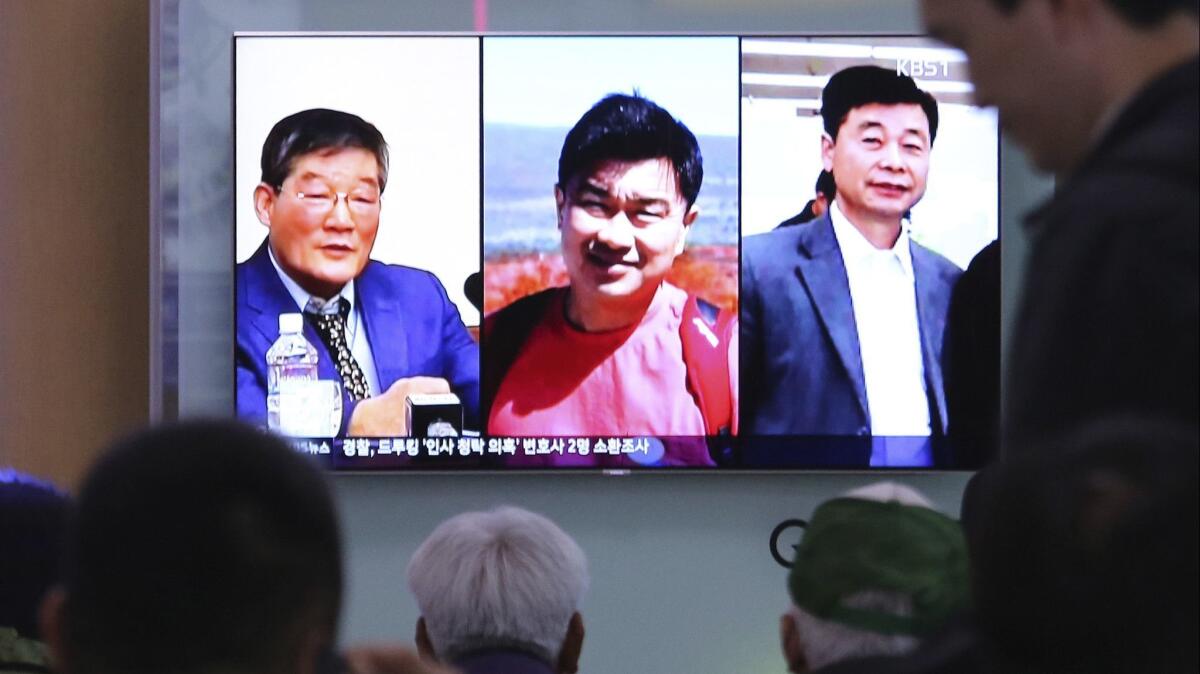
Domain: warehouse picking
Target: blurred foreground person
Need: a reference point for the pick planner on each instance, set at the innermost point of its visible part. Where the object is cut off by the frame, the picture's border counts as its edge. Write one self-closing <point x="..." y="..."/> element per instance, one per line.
<point x="1084" y="552"/>
<point x="32" y="517"/>
<point x="1109" y="320"/>
<point x="499" y="593"/>
<point x="877" y="571"/>
<point x="206" y="547"/>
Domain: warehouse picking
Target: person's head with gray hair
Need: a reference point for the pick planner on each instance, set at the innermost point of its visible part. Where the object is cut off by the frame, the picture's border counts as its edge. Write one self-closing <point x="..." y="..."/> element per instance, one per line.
<point x="503" y="584"/>
<point x="876" y="571"/>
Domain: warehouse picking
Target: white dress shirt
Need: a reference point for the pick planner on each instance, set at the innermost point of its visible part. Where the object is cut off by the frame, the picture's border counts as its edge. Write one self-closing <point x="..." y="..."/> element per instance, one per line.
<point x="360" y="348"/>
<point x="883" y="294"/>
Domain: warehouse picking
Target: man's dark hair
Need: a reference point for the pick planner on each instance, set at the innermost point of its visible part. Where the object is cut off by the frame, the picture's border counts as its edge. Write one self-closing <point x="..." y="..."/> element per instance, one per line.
<point x="32" y="517"/>
<point x="1084" y="550"/>
<point x="1141" y="13"/>
<point x="863" y="85"/>
<point x="826" y="185"/>
<point x="313" y="131"/>
<point x="206" y="546"/>
<point x="632" y="128"/>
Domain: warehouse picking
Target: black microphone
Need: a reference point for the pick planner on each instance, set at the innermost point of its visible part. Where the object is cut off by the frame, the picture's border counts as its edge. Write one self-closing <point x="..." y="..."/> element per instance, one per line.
<point x="434" y="415"/>
<point x="473" y="287"/>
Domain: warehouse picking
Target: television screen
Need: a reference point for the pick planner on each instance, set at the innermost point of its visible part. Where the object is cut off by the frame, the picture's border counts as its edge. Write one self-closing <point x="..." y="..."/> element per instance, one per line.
<point x="552" y="252"/>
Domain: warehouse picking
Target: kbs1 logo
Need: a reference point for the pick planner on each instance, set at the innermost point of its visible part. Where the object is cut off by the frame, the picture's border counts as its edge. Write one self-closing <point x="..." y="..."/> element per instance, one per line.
<point x="922" y="67"/>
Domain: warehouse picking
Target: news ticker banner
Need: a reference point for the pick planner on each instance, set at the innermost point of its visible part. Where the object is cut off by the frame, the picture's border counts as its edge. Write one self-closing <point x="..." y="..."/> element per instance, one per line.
<point x="650" y="453"/>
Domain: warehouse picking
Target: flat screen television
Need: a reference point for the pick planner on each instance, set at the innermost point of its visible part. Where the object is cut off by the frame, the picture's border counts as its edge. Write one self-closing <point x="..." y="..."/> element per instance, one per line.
<point x="604" y="251"/>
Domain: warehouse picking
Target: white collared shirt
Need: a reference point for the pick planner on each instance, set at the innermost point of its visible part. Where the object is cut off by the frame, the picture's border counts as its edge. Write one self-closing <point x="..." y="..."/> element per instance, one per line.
<point x="360" y="348"/>
<point x="883" y="294"/>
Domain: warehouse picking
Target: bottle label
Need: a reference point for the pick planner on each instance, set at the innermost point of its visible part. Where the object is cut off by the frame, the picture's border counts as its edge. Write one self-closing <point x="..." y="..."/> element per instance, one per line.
<point x="309" y="409"/>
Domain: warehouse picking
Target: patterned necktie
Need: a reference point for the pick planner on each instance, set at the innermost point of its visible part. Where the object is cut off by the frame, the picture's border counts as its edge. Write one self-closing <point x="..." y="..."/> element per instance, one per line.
<point x="331" y="326"/>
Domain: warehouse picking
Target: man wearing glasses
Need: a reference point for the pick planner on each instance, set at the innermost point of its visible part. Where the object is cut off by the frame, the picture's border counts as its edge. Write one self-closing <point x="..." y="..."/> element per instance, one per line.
<point x="385" y="331"/>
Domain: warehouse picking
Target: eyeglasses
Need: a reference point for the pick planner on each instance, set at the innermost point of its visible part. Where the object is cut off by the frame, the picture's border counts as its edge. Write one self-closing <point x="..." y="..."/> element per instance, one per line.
<point x="322" y="200"/>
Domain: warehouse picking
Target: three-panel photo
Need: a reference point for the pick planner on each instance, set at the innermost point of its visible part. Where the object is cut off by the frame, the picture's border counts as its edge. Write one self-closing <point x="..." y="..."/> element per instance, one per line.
<point x="609" y="252"/>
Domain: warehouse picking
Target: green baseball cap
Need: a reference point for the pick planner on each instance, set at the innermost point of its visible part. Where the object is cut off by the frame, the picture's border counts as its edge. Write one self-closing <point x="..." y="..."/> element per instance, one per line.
<point x="853" y="545"/>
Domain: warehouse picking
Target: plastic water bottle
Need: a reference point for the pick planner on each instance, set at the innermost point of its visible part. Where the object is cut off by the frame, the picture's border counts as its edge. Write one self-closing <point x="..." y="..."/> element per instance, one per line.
<point x="291" y="366"/>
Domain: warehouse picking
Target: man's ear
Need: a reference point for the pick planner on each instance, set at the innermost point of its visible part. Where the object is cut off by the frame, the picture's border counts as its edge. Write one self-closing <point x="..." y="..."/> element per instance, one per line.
<point x="827" y="151"/>
<point x="820" y="202"/>
<point x="424" y="645"/>
<point x="568" y="655"/>
<point x="264" y="203"/>
<point x="560" y="198"/>
<point x="52" y="625"/>
<point x="791" y="644"/>
<point x="688" y="219"/>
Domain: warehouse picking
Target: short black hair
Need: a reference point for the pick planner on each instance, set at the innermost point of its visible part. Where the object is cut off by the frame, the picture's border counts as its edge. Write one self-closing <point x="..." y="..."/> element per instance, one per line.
<point x="312" y="131"/>
<point x="857" y="86"/>
<point x="208" y="544"/>
<point x="826" y="185"/>
<point x="33" y="515"/>
<point x="1141" y="13"/>
<point x="632" y="128"/>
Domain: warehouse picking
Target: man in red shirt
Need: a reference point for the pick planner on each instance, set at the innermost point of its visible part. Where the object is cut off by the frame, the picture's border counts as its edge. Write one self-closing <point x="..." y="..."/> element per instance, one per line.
<point x="604" y="356"/>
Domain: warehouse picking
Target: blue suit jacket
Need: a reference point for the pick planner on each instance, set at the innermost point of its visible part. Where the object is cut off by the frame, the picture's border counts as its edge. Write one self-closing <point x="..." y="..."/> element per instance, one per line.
<point x="413" y="328"/>
<point x="802" y="372"/>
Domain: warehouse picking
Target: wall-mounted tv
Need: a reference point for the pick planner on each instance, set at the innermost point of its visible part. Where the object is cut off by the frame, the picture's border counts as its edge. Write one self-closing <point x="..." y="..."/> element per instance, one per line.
<point x="673" y="252"/>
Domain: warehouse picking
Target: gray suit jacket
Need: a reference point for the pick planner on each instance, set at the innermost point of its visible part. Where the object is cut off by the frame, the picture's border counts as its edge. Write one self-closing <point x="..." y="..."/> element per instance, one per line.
<point x="802" y="372"/>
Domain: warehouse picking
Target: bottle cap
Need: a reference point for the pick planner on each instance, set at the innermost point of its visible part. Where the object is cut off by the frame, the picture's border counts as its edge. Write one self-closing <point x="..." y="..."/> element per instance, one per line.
<point x="291" y="323"/>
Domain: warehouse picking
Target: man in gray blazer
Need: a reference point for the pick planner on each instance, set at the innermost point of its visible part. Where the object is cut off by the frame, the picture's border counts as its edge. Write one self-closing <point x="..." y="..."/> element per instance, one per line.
<point x="842" y="317"/>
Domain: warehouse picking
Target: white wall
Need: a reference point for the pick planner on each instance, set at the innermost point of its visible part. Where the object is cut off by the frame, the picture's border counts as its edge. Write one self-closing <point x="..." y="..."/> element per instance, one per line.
<point x="682" y="579"/>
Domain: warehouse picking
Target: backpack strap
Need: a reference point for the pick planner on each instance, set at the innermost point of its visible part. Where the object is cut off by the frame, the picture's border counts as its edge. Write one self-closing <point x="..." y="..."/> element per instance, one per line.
<point x="706" y="331"/>
<point x="503" y="334"/>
